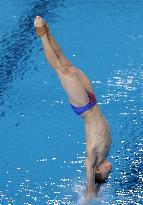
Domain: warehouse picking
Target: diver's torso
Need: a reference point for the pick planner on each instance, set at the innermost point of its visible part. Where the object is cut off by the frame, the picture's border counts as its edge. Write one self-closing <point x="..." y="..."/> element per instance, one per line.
<point x="97" y="128"/>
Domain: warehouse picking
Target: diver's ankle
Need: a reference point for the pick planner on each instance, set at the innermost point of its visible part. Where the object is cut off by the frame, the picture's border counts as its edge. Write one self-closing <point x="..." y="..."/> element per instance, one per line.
<point x="44" y="37"/>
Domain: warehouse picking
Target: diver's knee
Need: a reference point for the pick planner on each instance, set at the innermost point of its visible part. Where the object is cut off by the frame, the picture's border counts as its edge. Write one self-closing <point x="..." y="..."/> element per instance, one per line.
<point x="68" y="70"/>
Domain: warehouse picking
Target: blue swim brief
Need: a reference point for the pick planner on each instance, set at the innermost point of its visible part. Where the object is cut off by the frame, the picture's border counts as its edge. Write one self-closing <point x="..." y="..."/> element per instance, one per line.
<point x="92" y="102"/>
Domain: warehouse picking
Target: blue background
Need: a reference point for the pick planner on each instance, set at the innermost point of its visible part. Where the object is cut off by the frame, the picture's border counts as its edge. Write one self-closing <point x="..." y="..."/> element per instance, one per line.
<point x="42" y="150"/>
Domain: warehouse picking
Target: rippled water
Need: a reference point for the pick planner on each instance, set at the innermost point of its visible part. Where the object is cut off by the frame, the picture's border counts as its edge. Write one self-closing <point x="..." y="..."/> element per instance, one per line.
<point x="42" y="141"/>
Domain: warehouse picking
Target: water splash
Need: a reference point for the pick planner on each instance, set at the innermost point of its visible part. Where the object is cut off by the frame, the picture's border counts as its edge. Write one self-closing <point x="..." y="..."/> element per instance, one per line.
<point x="105" y="195"/>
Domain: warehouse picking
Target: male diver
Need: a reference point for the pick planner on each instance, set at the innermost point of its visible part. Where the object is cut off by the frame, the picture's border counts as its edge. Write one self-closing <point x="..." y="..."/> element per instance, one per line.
<point x="83" y="102"/>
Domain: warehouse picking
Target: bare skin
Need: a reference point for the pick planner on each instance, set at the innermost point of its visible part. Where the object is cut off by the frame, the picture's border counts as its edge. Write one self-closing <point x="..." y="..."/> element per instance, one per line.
<point x="76" y="84"/>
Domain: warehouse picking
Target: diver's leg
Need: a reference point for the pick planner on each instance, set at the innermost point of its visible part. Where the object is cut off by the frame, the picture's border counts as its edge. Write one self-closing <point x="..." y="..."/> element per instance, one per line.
<point x="58" y="50"/>
<point x="63" y="60"/>
<point x="49" y="51"/>
<point x="72" y="85"/>
<point x="85" y="81"/>
<point x="82" y="77"/>
<point x="76" y="93"/>
<point x="58" y="61"/>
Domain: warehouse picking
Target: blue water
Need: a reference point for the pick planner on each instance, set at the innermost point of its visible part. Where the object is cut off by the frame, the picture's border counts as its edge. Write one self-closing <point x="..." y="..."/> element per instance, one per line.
<point x="42" y="150"/>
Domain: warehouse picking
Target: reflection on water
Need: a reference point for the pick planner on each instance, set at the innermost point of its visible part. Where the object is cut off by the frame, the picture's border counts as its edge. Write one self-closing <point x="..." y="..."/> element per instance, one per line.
<point x="42" y="160"/>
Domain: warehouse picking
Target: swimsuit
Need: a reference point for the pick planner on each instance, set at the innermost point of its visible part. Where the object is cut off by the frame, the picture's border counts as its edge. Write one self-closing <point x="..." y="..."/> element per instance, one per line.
<point x="92" y="102"/>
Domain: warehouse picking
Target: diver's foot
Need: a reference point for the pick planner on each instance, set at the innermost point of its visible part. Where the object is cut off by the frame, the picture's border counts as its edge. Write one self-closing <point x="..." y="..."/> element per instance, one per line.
<point x="40" y="26"/>
<point x="103" y="171"/>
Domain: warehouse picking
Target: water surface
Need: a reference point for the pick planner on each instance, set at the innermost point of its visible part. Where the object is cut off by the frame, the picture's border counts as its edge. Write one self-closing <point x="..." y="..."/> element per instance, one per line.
<point x="42" y="141"/>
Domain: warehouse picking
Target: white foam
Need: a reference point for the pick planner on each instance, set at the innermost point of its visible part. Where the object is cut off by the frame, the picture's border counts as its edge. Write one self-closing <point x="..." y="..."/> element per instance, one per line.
<point x="104" y="195"/>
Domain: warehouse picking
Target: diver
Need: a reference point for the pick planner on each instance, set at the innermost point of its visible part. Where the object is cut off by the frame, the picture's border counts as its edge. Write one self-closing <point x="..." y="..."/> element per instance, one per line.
<point x="83" y="102"/>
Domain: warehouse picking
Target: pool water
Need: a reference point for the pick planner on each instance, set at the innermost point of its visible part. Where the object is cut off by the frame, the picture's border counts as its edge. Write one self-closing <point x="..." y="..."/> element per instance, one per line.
<point x="42" y="150"/>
